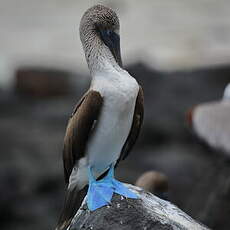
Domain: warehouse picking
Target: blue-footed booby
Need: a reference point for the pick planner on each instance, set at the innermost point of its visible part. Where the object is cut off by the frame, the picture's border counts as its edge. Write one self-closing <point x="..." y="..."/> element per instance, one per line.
<point x="211" y="122"/>
<point x="106" y="121"/>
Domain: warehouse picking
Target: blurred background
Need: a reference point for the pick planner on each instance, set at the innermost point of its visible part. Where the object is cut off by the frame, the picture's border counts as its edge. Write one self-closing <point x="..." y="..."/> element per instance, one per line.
<point x="179" y="51"/>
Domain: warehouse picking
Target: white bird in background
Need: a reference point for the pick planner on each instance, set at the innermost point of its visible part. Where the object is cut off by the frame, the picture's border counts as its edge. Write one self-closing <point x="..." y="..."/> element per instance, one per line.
<point x="211" y="122"/>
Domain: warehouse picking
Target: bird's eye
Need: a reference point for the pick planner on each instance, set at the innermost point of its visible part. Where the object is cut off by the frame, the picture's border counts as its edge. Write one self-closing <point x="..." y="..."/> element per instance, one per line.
<point x="109" y="32"/>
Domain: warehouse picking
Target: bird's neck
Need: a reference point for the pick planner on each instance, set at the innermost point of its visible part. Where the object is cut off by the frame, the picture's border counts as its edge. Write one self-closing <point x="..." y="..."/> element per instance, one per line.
<point x="114" y="77"/>
<point x="100" y="59"/>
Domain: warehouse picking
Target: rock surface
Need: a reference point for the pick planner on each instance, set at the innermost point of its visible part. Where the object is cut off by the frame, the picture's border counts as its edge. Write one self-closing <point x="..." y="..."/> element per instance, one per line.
<point x="148" y="213"/>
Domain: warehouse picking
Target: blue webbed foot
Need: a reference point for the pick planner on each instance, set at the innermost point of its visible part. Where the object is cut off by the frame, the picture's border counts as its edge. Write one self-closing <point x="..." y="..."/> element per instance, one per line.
<point x="121" y="189"/>
<point x="118" y="186"/>
<point x="101" y="192"/>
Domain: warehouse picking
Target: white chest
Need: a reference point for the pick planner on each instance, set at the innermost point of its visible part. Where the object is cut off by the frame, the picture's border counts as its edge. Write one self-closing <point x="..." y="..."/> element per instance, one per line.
<point x="115" y="120"/>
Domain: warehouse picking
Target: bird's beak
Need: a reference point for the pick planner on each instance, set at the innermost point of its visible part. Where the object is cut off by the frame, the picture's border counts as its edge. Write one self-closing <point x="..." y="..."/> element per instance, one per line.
<point x="112" y="41"/>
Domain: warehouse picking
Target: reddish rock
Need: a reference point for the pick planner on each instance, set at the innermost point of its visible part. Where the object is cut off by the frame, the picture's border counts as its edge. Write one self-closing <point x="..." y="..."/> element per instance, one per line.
<point x="41" y="82"/>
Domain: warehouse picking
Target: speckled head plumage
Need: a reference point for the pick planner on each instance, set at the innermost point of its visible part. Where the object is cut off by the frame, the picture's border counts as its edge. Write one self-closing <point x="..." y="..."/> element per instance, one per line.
<point x="99" y="30"/>
<point x="99" y="16"/>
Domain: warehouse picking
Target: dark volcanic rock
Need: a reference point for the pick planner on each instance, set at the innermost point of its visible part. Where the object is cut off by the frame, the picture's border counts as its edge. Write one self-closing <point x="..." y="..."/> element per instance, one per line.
<point x="148" y="212"/>
<point x="32" y="131"/>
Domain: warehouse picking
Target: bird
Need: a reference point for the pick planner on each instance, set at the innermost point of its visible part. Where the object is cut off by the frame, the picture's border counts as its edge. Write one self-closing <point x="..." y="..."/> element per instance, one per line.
<point x="106" y="121"/>
<point x="211" y="122"/>
<point x="154" y="182"/>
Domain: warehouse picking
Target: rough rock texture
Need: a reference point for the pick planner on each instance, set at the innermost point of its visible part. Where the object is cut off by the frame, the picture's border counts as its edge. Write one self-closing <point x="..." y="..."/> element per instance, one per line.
<point x="148" y="213"/>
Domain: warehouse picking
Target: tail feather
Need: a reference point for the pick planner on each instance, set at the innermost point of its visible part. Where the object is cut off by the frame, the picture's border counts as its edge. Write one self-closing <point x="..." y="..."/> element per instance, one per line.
<point x="73" y="200"/>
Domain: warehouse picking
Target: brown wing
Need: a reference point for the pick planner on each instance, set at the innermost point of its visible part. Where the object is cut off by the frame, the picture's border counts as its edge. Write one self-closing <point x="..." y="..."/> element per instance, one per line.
<point x="136" y="125"/>
<point x="79" y="128"/>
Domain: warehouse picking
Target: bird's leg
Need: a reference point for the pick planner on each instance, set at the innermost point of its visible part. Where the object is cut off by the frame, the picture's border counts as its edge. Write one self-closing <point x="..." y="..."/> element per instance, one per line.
<point x="99" y="193"/>
<point x="119" y="187"/>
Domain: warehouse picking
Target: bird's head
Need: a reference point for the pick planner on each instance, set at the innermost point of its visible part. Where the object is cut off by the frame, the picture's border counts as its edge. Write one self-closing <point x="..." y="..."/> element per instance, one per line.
<point x="99" y="33"/>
